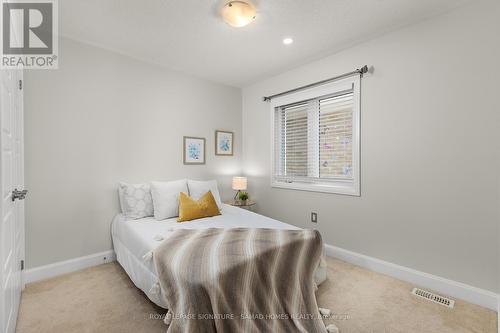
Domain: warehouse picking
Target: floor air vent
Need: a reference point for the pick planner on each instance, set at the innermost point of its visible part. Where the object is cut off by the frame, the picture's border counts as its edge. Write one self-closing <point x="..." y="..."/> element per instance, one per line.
<point x="433" y="297"/>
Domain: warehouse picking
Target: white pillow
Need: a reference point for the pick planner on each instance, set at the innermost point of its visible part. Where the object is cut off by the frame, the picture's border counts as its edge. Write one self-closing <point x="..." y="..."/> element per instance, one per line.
<point x="198" y="188"/>
<point x="135" y="200"/>
<point x="166" y="198"/>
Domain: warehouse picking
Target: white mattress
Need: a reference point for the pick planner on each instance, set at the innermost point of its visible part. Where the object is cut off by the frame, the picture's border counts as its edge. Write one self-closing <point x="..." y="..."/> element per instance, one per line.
<point x="132" y="239"/>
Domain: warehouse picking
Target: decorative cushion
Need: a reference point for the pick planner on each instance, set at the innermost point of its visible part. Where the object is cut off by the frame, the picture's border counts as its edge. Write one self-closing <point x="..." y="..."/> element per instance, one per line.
<point x="166" y="198"/>
<point x="135" y="200"/>
<point x="198" y="188"/>
<point x="190" y="209"/>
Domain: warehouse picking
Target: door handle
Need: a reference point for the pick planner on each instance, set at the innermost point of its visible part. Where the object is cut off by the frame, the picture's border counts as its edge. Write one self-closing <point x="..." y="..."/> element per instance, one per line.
<point x="20" y="195"/>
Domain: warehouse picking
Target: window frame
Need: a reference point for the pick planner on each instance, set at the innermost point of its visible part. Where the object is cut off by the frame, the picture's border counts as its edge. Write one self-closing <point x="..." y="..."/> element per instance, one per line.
<point x="335" y="186"/>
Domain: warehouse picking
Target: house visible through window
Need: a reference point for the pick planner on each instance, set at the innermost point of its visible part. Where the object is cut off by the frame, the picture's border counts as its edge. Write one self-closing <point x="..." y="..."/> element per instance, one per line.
<point x="335" y="136"/>
<point x="316" y="140"/>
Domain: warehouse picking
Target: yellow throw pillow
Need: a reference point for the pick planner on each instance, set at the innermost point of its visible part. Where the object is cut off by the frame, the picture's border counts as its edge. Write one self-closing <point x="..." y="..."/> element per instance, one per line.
<point x="190" y="209"/>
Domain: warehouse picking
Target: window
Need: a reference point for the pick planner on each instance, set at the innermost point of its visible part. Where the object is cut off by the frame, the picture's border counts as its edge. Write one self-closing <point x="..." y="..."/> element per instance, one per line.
<point x="316" y="139"/>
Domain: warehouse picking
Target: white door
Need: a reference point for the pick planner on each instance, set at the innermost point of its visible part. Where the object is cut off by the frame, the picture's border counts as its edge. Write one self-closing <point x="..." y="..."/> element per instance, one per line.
<point x="12" y="205"/>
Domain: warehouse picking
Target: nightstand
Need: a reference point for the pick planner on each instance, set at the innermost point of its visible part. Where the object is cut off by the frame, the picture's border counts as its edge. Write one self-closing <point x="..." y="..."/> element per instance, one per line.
<point x="237" y="203"/>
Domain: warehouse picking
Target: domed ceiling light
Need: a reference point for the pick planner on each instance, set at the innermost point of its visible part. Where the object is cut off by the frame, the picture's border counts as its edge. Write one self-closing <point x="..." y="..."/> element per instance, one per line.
<point x="238" y="13"/>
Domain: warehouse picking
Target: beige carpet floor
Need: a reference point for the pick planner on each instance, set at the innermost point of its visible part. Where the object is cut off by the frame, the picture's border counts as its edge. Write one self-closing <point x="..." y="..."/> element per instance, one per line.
<point x="103" y="299"/>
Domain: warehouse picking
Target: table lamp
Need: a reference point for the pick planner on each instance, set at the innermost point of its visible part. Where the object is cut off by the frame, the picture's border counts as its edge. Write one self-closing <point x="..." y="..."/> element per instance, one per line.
<point x="239" y="184"/>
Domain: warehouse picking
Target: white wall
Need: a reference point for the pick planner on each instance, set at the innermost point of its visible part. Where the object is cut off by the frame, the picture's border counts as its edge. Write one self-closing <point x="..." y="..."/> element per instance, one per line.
<point x="102" y="118"/>
<point x="430" y="154"/>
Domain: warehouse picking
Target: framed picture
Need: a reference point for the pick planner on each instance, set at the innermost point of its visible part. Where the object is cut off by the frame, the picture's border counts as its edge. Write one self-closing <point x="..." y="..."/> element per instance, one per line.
<point x="194" y="150"/>
<point x="224" y="143"/>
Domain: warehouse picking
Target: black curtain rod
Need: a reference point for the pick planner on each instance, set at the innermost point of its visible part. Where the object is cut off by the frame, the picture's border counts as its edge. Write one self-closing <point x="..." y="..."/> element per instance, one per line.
<point x="359" y="71"/>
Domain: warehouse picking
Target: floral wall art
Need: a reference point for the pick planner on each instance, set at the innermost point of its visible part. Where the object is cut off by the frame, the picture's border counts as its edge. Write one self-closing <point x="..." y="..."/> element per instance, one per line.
<point x="194" y="150"/>
<point x="224" y="143"/>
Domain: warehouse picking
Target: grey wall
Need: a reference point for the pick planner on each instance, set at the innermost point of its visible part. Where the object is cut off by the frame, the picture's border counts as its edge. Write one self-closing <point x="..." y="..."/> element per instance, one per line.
<point x="103" y="118"/>
<point x="430" y="146"/>
<point x="430" y="154"/>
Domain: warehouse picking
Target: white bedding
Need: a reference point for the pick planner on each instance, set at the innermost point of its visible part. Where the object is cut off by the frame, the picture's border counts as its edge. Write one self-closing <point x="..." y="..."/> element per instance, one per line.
<point x="132" y="239"/>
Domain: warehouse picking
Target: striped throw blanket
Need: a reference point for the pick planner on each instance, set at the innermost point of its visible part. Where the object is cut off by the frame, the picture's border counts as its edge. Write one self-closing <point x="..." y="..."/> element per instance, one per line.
<point x="240" y="280"/>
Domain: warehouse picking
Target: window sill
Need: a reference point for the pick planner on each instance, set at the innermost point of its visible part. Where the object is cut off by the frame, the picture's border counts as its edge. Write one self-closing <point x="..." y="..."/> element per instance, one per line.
<point x="338" y="188"/>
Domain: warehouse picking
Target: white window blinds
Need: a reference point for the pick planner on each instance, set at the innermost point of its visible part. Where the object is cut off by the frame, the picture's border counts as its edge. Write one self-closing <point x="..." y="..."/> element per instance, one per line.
<point x="293" y="138"/>
<point x="315" y="143"/>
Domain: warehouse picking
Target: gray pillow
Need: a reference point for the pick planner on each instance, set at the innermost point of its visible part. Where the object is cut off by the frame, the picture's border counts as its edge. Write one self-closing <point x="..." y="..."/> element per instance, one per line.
<point x="135" y="200"/>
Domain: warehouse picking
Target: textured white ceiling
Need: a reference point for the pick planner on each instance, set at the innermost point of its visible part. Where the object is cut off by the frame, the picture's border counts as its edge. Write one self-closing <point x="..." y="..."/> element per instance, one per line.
<point x="190" y="36"/>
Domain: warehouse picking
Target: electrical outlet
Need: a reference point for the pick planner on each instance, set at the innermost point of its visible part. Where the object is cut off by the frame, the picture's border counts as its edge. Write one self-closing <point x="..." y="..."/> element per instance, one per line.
<point x="314" y="217"/>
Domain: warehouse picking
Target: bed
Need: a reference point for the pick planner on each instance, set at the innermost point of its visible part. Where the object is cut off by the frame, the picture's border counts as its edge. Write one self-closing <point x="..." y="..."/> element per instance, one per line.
<point x="133" y="240"/>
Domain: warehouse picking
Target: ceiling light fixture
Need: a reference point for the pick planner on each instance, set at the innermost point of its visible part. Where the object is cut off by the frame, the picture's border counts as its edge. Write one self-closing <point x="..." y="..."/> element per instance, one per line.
<point x="287" y="41"/>
<point x="238" y="13"/>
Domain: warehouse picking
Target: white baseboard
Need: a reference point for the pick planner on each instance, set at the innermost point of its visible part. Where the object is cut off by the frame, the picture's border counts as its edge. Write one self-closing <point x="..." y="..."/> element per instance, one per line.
<point x="67" y="266"/>
<point x="447" y="287"/>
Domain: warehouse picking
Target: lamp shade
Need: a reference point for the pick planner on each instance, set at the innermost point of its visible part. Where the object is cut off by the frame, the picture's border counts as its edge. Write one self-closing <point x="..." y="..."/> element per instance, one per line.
<point x="239" y="183"/>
